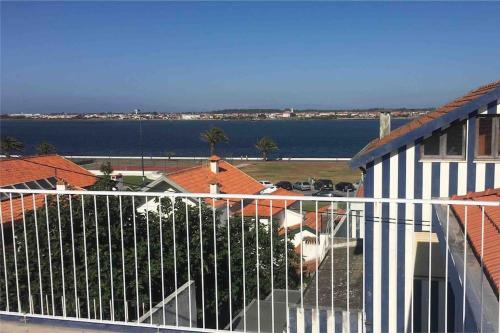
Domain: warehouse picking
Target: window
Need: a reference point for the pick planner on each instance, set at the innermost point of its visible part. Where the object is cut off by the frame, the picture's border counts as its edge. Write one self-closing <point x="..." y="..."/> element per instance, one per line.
<point x="488" y="137"/>
<point x="446" y="144"/>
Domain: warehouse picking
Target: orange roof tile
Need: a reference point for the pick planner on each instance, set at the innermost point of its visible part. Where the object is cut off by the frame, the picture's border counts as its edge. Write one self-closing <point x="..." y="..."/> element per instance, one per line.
<point x="400" y="131"/>
<point x="231" y="180"/>
<point x="16" y="213"/>
<point x="20" y="170"/>
<point x="264" y="207"/>
<point x="491" y="230"/>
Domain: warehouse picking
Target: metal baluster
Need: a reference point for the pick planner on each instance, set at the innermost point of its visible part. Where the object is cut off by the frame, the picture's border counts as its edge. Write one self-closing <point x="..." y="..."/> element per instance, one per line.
<point x="175" y="262"/>
<point x="26" y="252"/>
<point x="482" y="264"/>
<point x="316" y="261"/>
<point x="135" y="260"/>
<point x="286" y="268"/>
<point x="62" y="254"/>
<point x="348" y="217"/>
<point x="446" y="269"/>
<point x="215" y="264"/>
<point x="37" y="252"/>
<point x="85" y="257"/>
<point x="332" y="227"/>
<point x="149" y="260"/>
<point x="123" y="261"/>
<point x="229" y="265"/>
<point x="112" y="314"/>
<point x="161" y="261"/>
<point x="244" y="267"/>
<point x="50" y="254"/>
<point x="257" y="261"/>
<point x="98" y="257"/>
<point x="430" y="279"/>
<point x="465" y="270"/>
<point x="201" y="264"/>
<point x="189" y="261"/>
<point x="271" y="263"/>
<point x="301" y="258"/>
<point x="73" y="253"/>
<point x="5" y="262"/>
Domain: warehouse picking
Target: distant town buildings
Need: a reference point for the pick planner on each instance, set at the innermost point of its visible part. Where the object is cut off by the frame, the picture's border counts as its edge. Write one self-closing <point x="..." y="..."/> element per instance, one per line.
<point x="233" y="114"/>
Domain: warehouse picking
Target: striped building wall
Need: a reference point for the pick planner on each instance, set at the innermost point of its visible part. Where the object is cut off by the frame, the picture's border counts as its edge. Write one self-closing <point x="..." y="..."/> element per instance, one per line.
<point x="390" y="227"/>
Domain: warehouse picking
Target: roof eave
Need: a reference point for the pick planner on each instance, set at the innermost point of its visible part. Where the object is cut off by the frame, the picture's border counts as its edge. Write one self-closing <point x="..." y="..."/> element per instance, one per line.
<point x="362" y="159"/>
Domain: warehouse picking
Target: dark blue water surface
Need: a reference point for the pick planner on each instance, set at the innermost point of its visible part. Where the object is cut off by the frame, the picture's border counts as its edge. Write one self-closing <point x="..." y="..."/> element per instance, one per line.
<point x="297" y="138"/>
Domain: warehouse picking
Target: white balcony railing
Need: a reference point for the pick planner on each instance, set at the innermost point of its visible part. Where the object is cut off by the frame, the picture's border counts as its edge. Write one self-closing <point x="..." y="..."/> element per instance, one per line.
<point x="251" y="263"/>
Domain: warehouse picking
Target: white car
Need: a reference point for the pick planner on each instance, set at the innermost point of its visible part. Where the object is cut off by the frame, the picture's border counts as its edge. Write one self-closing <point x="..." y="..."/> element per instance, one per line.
<point x="268" y="190"/>
<point x="266" y="183"/>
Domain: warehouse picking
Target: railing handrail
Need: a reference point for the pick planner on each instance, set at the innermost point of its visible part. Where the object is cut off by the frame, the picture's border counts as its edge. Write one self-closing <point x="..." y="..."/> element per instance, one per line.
<point x="258" y="197"/>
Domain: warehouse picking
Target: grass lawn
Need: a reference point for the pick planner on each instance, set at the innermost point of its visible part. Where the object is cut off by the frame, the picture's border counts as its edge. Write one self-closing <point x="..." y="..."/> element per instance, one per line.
<point x="134" y="181"/>
<point x="293" y="171"/>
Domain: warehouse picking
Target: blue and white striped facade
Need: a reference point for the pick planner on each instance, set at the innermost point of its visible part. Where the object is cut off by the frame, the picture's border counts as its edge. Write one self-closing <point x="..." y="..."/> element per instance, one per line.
<point x="400" y="172"/>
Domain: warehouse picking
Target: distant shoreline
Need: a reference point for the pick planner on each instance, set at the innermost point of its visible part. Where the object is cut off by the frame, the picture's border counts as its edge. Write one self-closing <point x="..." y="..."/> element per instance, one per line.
<point x="189" y="120"/>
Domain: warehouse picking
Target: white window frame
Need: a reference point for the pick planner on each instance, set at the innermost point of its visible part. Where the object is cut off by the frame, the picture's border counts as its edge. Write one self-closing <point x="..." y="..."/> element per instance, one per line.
<point x="494" y="139"/>
<point x="442" y="144"/>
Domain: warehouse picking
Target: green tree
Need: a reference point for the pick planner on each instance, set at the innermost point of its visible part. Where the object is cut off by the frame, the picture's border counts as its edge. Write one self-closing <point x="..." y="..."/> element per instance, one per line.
<point x="45" y="148"/>
<point x="213" y="137"/>
<point x="88" y="222"/>
<point x="266" y="145"/>
<point x="10" y="145"/>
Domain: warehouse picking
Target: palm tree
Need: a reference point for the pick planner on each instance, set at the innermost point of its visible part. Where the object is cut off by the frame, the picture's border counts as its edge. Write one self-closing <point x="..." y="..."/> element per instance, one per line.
<point x="8" y="145"/>
<point x="214" y="136"/>
<point x="45" y="148"/>
<point x="266" y="145"/>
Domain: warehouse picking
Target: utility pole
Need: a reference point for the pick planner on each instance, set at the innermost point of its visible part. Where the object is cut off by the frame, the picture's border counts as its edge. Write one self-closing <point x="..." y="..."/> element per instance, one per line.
<point x="138" y="112"/>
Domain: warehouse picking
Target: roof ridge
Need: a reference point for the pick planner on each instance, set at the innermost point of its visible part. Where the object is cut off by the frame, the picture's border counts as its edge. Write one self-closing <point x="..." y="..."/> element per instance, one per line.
<point x="25" y="157"/>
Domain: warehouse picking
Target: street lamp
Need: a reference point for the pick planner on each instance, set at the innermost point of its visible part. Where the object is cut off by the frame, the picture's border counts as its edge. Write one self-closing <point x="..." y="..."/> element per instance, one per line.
<point x="137" y="112"/>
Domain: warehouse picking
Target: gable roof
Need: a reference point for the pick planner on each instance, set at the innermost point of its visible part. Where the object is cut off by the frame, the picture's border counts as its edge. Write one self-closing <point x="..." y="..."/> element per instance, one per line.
<point x="231" y="179"/>
<point x="24" y="169"/>
<point x="491" y="257"/>
<point x="428" y="123"/>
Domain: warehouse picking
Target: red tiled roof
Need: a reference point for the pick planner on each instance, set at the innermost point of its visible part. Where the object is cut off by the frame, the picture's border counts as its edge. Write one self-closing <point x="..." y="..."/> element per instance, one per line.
<point x="16" y="213"/>
<point x="20" y="170"/>
<point x="264" y="206"/>
<point x="491" y="230"/>
<point x="400" y="131"/>
<point x="361" y="192"/>
<point x="230" y="178"/>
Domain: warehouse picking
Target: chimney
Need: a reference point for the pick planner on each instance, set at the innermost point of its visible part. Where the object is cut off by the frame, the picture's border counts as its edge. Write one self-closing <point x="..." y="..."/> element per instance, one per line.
<point x="214" y="163"/>
<point x="60" y="185"/>
<point x="214" y="185"/>
<point x="385" y="124"/>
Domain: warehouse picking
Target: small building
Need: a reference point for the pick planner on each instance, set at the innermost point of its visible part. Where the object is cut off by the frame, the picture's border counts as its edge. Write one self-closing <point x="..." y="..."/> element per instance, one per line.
<point x="450" y="151"/>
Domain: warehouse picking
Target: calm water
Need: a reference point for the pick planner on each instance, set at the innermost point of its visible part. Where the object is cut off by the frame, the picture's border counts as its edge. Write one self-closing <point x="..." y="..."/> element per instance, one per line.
<point x="298" y="138"/>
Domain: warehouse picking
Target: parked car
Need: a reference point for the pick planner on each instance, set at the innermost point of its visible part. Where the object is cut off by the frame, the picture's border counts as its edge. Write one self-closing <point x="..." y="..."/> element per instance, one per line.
<point x="266" y="183"/>
<point x="345" y="187"/>
<point x="284" y="184"/>
<point x="268" y="190"/>
<point x="302" y="186"/>
<point x="324" y="193"/>
<point x="323" y="184"/>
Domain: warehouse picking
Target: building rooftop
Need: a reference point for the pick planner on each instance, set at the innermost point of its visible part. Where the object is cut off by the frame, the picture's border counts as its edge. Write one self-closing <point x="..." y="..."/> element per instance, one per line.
<point x="37" y="172"/>
<point x="230" y="178"/>
<point x="491" y="231"/>
<point x="469" y="102"/>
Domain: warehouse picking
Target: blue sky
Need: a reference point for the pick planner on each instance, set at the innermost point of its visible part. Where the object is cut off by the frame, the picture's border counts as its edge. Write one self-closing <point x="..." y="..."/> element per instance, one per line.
<point x="194" y="56"/>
